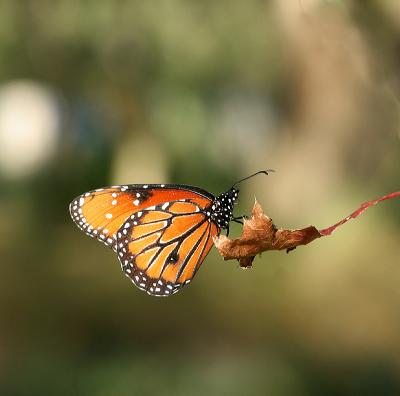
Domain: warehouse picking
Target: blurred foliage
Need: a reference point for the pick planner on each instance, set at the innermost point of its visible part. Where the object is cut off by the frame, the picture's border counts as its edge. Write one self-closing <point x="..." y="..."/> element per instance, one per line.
<point x="204" y="93"/>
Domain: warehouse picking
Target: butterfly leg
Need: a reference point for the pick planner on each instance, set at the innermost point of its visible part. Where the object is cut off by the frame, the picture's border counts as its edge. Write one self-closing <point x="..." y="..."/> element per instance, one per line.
<point x="235" y="219"/>
<point x="239" y="219"/>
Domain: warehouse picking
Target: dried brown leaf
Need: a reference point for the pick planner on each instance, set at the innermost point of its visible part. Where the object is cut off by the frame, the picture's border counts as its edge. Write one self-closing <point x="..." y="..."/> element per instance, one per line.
<point x="260" y="234"/>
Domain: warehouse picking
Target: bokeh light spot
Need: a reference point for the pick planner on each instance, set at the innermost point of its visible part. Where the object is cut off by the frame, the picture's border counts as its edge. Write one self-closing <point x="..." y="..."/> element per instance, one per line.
<point x="29" y="128"/>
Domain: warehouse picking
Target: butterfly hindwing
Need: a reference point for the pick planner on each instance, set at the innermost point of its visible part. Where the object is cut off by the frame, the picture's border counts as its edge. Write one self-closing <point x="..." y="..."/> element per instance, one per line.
<point x="161" y="247"/>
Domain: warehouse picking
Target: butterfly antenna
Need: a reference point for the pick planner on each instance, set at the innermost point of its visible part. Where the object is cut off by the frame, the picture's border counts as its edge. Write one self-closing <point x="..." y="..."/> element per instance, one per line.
<point x="265" y="172"/>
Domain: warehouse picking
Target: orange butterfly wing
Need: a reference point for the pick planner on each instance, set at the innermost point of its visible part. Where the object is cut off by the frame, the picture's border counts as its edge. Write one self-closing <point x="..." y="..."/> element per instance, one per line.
<point x="161" y="233"/>
<point x="100" y="213"/>
<point x="162" y="247"/>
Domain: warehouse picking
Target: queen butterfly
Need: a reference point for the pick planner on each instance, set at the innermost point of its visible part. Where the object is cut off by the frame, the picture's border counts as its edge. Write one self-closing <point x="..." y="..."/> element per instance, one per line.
<point x="160" y="232"/>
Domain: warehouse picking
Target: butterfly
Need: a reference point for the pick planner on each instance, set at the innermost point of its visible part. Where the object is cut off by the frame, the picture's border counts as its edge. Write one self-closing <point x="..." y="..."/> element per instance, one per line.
<point x="161" y="233"/>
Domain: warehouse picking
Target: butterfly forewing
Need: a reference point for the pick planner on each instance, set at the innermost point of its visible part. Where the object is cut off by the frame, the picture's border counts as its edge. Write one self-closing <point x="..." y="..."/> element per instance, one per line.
<point x="100" y="213"/>
<point x="161" y="248"/>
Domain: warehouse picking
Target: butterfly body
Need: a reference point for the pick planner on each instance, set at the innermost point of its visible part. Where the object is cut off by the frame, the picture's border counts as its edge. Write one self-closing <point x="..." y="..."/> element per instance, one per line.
<point x="161" y="233"/>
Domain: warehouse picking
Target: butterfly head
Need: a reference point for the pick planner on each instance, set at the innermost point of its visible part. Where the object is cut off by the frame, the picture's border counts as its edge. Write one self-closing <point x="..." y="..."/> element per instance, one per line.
<point x="222" y="208"/>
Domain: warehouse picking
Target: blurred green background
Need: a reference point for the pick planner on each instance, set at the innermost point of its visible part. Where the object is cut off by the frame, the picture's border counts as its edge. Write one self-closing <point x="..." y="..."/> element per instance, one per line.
<point x="94" y="93"/>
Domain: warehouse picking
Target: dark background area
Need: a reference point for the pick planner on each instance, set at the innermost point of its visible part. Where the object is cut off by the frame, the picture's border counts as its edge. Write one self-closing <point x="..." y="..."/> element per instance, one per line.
<point x="94" y="93"/>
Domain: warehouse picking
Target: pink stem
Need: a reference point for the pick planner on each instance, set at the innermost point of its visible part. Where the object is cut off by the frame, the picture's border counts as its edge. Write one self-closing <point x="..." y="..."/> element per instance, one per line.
<point x="361" y="209"/>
